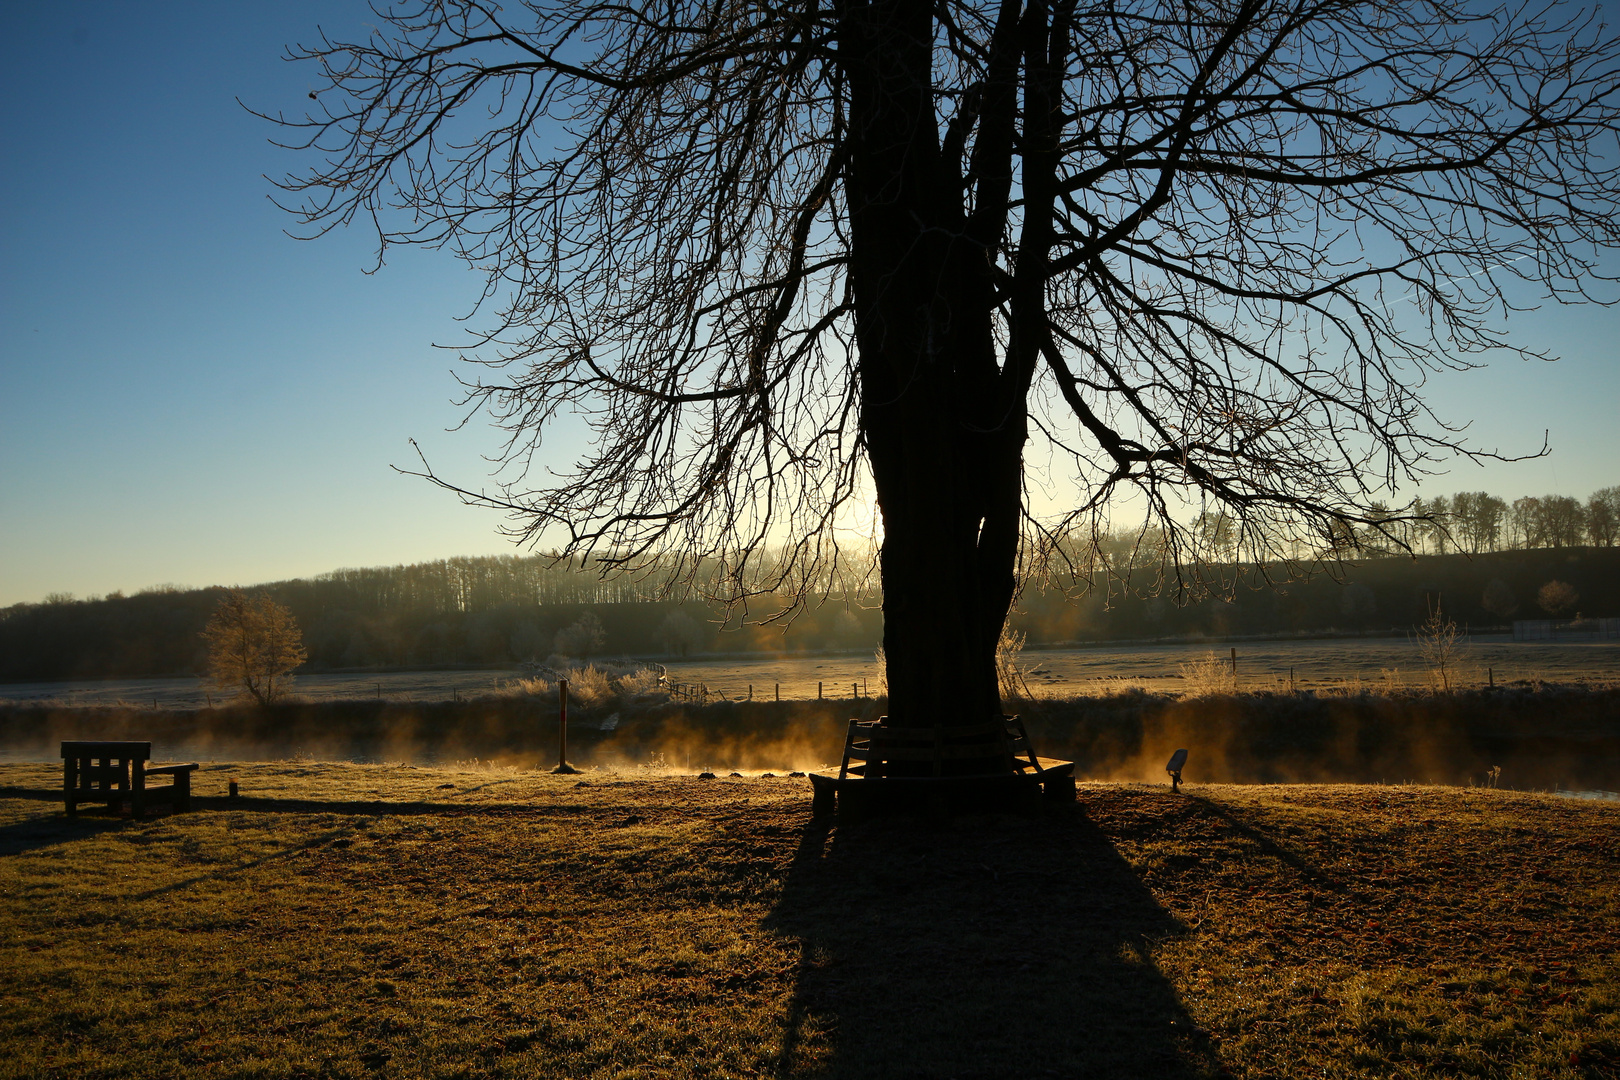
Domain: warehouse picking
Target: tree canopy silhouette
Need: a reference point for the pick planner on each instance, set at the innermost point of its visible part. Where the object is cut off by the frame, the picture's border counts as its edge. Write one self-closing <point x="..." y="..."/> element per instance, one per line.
<point x="1206" y="255"/>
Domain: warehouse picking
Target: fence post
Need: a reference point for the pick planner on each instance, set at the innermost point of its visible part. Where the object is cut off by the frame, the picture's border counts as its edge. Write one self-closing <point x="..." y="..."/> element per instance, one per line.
<point x="778" y="691"/>
<point x="562" y="722"/>
<point x="818" y="689"/>
<point x="562" y="729"/>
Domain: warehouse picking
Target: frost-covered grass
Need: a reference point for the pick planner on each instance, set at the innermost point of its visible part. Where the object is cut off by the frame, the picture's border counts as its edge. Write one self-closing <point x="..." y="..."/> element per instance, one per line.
<point x="352" y="920"/>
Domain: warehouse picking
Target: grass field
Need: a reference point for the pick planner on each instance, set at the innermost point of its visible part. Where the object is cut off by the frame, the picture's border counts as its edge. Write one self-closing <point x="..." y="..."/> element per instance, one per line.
<point x="356" y="921"/>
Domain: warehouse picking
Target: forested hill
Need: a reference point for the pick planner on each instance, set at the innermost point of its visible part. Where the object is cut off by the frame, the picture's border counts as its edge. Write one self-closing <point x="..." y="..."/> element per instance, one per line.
<point x="496" y="611"/>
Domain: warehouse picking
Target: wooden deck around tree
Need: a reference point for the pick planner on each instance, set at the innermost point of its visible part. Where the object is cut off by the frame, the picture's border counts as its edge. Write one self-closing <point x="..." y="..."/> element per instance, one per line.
<point x="889" y="768"/>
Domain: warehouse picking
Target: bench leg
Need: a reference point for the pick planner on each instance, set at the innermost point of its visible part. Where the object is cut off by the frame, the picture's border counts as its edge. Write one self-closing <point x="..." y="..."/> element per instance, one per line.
<point x="823" y="799"/>
<point x="119" y="790"/>
<point x="1059" y="789"/>
<point x="182" y="792"/>
<point x="70" y="782"/>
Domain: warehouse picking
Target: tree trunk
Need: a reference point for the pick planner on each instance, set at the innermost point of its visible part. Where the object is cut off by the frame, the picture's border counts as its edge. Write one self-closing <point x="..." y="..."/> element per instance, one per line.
<point x="944" y="442"/>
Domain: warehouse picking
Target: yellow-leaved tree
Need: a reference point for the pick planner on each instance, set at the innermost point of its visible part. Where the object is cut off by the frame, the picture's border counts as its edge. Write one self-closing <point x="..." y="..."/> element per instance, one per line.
<point x="253" y="645"/>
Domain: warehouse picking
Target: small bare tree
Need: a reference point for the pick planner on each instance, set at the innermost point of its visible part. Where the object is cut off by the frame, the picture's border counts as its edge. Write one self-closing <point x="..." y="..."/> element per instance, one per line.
<point x="1206" y="676"/>
<point x="253" y="646"/>
<point x="1010" y="664"/>
<point x="1439" y="642"/>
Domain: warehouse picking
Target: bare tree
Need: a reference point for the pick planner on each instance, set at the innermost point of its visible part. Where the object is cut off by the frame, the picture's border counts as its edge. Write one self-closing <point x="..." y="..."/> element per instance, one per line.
<point x="1603" y="517"/>
<point x="1433" y="522"/>
<point x="1526" y="524"/>
<point x="253" y="646"/>
<point x="1382" y="537"/>
<point x="1563" y="521"/>
<point x="1479" y="516"/>
<point x="1202" y="256"/>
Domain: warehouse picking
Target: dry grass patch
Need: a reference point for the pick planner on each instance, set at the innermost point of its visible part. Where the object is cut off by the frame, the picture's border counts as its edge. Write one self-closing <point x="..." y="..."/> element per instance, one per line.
<point x="1374" y="931"/>
<point x="358" y="921"/>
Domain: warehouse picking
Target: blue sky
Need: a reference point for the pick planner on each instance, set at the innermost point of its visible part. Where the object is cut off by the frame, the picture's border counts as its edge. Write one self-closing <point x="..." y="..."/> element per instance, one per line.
<point x="188" y="395"/>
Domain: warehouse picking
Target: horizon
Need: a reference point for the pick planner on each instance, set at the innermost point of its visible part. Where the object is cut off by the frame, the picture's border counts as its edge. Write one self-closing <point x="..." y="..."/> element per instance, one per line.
<point x="1315" y="564"/>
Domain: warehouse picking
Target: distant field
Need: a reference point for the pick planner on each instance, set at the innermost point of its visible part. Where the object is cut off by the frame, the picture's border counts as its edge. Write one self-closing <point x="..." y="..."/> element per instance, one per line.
<point x="1324" y="664"/>
<point x="1327" y="663"/>
<point x="194" y="693"/>
<point x="1392" y="663"/>
<point x="358" y="921"/>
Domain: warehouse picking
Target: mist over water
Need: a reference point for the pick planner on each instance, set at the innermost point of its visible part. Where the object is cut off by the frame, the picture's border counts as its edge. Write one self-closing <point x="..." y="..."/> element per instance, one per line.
<point x="1547" y="739"/>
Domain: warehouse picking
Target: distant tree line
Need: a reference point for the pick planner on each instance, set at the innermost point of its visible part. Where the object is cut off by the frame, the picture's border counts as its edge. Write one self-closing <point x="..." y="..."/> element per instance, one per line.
<point x="1476" y="521"/>
<point x="1488" y="590"/>
<point x="475" y="611"/>
<point x="1211" y="559"/>
<point x="501" y="610"/>
<point x="498" y="611"/>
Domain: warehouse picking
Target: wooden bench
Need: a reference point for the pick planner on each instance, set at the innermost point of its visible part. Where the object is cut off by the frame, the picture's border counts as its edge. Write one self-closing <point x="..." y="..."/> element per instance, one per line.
<point x="116" y="772"/>
<point x="885" y="763"/>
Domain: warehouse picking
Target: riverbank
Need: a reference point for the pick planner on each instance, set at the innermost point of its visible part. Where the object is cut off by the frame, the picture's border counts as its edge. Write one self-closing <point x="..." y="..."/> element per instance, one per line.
<point x="1526" y="738"/>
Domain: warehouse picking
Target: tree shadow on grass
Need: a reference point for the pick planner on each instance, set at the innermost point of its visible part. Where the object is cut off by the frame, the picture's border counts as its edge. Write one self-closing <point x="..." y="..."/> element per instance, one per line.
<point x="377" y="808"/>
<point x="1268" y="844"/>
<point x="984" y="947"/>
<point x="47" y="830"/>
